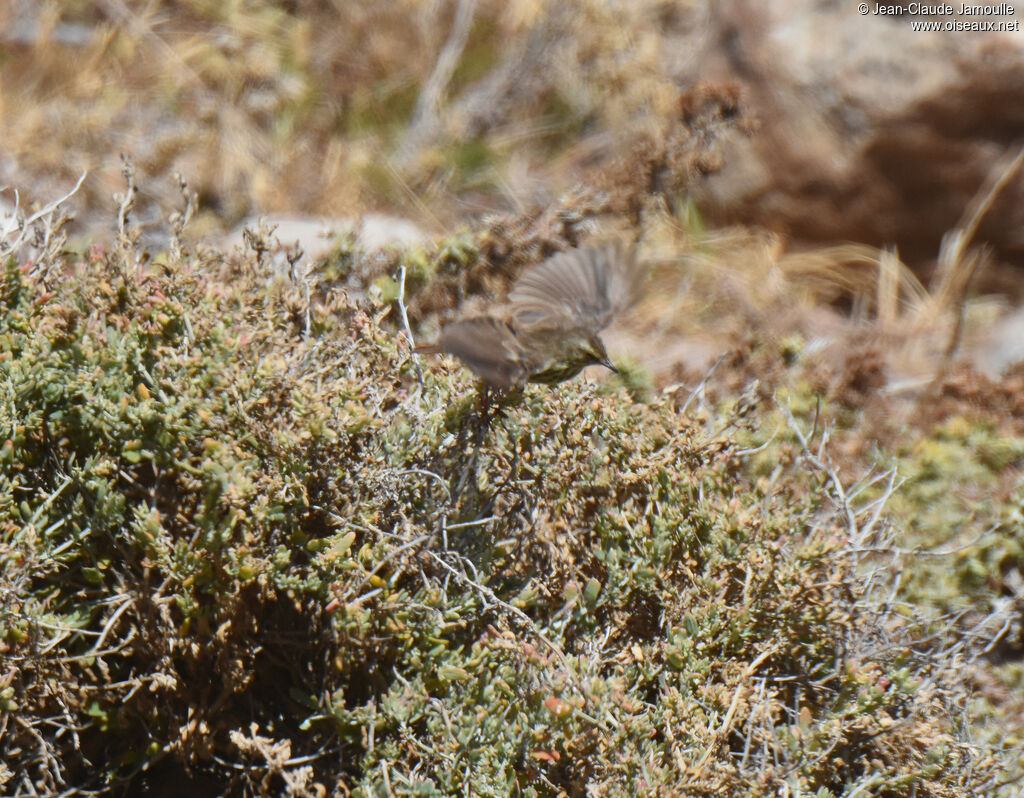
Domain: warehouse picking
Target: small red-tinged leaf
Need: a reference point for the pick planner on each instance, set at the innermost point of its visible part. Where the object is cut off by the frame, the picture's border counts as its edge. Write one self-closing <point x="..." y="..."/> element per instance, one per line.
<point x="804" y="720"/>
<point x="557" y="707"/>
<point x="546" y="756"/>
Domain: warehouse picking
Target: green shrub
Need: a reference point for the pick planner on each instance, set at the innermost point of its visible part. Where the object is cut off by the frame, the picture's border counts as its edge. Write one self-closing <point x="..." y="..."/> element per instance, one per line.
<point x="243" y="544"/>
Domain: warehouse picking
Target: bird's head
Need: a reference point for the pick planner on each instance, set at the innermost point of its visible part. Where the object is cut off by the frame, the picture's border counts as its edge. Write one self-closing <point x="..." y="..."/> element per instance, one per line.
<point x="591" y="347"/>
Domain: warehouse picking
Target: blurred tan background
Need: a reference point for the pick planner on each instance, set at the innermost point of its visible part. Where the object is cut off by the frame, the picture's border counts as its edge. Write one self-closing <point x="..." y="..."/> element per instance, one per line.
<point x="869" y="131"/>
<point x="413" y="120"/>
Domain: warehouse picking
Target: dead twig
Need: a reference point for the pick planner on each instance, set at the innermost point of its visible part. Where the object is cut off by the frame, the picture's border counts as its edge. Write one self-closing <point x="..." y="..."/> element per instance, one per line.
<point x="400" y="301"/>
<point x="126" y="201"/>
<point x="424" y="117"/>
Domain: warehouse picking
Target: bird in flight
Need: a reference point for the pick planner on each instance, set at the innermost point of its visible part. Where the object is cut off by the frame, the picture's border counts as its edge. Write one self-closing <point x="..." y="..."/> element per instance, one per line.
<point x="547" y="331"/>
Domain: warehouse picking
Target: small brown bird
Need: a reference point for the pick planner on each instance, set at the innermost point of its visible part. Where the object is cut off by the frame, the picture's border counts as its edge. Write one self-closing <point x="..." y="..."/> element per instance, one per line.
<point x="548" y="330"/>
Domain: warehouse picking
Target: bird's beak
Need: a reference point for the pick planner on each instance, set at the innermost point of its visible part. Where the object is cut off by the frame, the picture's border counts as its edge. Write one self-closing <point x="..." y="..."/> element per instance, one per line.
<point x="607" y="363"/>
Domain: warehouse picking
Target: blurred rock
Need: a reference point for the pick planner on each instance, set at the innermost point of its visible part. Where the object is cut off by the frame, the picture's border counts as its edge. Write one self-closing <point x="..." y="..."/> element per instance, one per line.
<point x="317" y="236"/>
<point x="1003" y="345"/>
<point x="870" y="131"/>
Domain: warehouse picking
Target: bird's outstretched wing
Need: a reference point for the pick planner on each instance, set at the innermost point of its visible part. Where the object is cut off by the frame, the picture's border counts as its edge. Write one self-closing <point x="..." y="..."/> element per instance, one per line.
<point x="488" y="346"/>
<point x="582" y="288"/>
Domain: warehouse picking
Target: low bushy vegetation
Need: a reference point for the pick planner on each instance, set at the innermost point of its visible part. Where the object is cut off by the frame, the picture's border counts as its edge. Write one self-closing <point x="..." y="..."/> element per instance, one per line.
<point x="250" y="544"/>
